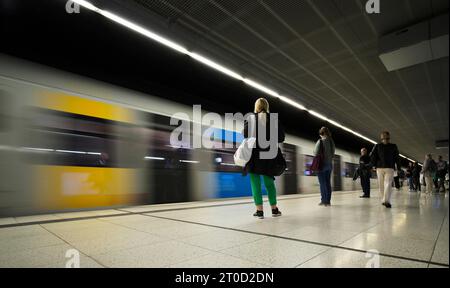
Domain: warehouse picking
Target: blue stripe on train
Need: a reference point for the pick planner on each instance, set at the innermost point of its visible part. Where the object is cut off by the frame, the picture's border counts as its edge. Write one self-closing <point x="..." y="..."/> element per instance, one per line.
<point x="231" y="185"/>
<point x="228" y="136"/>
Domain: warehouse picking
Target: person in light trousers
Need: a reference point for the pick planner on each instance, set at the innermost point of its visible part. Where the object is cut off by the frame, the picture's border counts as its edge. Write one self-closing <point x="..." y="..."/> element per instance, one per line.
<point x="428" y="173"/>
<point x="386" y="158"/>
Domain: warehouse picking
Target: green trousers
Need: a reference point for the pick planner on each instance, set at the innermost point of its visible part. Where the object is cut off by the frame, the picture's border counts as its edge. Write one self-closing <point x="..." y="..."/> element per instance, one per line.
<point x="255" y="181"/>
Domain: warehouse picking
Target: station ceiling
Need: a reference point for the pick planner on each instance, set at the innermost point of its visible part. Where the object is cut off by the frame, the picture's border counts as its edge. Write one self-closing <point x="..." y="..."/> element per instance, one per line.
<point x="320" y="53"/>
<point x="323" y="54"/>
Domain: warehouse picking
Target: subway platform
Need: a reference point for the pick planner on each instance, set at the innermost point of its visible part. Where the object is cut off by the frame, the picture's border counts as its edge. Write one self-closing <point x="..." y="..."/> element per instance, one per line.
<point x="215" y="234"/>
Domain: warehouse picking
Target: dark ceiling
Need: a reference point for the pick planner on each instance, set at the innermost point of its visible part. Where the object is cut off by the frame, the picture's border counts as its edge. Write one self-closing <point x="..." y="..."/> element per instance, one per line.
<point x="323" y="53"/>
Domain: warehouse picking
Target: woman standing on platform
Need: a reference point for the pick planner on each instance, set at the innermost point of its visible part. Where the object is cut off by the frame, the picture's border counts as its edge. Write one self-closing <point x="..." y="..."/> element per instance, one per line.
<point x="325" y="145"/>
<point x="259" y="168"/>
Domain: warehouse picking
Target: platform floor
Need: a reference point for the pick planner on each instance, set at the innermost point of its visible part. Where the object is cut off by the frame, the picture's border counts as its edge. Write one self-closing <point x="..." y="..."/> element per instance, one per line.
<point x="414" y="233"/>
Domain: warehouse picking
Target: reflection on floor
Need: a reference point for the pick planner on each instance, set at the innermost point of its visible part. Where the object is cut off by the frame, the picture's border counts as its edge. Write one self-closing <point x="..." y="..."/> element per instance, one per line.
<point x="414" y="233"/>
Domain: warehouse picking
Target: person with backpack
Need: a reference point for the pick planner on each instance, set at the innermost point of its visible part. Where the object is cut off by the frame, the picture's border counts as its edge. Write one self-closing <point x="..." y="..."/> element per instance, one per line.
<point x="258" y="167"/>
<point x="386" y="158"/>
<point x="326" y="148"/>
<point x="429" y="169"/>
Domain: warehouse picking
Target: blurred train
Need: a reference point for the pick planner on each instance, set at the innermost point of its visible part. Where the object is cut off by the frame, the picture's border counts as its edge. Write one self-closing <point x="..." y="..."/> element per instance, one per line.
<point x="69" y="143"/>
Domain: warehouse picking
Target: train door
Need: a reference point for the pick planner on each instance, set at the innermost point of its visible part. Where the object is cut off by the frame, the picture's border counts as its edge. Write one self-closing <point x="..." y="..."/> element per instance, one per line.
<point x="6" y="155"/>
<point x="337" y="175"/>
<point x="290" y="175"/>
<point x="168" y="168"/>
<point x="15" y="196"/>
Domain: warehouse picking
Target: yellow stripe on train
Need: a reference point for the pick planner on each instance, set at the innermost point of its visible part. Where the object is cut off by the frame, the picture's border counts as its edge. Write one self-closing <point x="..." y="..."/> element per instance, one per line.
<point x="83" y="106"/>
<point x="69" y="187"/>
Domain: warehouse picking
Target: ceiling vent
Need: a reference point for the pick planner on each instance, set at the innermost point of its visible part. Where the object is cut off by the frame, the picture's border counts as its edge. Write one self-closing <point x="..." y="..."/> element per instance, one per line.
<point x="416" y="44"/>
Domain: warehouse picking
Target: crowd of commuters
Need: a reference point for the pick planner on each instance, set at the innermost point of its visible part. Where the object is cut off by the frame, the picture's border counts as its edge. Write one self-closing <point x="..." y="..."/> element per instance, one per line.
<point x="384" y="159"/>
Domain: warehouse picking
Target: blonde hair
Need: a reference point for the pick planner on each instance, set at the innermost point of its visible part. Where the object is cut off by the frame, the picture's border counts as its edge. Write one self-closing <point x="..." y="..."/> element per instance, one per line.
<point x="261" y="105"/>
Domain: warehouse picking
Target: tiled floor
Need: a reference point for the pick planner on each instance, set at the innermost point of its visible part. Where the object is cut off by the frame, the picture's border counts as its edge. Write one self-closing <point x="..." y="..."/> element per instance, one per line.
<point x="414" y="233"/>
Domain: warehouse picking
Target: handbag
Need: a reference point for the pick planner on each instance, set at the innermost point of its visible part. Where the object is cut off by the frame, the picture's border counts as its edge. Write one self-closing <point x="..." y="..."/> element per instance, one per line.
<point x="317" y="163"/>
<point x="280" y="164"/>
<point x="244" y="152"/>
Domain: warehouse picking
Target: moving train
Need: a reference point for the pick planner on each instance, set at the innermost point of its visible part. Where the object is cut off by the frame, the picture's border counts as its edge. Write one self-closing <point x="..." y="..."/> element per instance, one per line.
<point x="71" y="143"/>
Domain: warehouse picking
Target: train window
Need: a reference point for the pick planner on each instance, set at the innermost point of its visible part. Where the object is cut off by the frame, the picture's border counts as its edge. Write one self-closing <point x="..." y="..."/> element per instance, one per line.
<point x="223" y="161"/>
<point x="59" y="138"/>
<point x="307" y="169"/>
<point x="349" y="169"/>
<point x="160" y="153"/>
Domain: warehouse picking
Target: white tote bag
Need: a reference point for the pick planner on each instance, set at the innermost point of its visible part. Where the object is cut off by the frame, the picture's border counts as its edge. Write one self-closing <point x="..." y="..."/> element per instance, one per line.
<point x="244" y="152"/>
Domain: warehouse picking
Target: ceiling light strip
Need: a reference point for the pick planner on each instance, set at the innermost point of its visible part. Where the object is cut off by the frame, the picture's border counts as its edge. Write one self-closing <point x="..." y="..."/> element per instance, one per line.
<point x="214" y="65"/>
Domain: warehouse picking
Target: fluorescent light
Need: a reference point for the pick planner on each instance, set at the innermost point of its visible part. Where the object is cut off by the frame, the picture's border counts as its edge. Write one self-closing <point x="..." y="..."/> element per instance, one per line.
<point x="71" y="152"/>
<point x="216" y="66"/>
<point x="143" y="31"/>
<point x="403" y="156"/>
<point x="94" y="153"/>
<point x="261" y="87"/>
<point x="86" y="4"/>
<point x="189" y="161"/>
<point x="318" y="115"/>
<point x="38" y="149"/>
<point x="154" y="158"/>
<point x="293" y="103"/>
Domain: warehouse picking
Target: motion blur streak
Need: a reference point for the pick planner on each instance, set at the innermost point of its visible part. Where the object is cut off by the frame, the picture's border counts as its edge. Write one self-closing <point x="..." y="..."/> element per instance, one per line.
<point x="62" y="148"/>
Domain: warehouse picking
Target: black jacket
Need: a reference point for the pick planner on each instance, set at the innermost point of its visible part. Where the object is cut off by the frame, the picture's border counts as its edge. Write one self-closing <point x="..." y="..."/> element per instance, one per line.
<point x="364" y="169"/>
<point x="416" y="171"/>
<point x="409" y="172"/>
<point x="385" y="156"/>
<point x="257" y="165"/>
<point x="365" y="166"/>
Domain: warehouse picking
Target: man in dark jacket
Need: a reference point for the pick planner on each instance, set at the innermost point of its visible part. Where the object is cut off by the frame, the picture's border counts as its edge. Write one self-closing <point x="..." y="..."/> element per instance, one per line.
<point x="386" y="158"/>
<point x="364" y="172"/>
<point x="416" y="176"/>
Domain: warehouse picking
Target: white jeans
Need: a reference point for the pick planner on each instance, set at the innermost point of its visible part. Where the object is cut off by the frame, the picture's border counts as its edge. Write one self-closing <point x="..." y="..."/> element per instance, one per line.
<point x="429" y="182"/>
<point x="385" y="177"/>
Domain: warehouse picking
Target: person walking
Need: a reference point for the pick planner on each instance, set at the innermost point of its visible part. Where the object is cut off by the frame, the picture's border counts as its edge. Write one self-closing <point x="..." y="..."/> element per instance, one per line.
<point x="429" y="168"/>
<point x="258" y="167"/>
<point x="409" y="176"/>
<point x="385" y="157"/>
<point x="326" y="146"/>
<point x="417" y="170"/>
